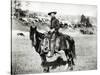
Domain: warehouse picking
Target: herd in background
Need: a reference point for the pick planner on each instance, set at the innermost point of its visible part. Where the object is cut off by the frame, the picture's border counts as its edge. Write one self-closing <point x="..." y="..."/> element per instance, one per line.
<point x="84" y="25"/>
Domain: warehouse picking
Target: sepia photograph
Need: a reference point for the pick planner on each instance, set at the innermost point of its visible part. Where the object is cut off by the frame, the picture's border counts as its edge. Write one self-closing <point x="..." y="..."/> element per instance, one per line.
<point x="49" y="37"/>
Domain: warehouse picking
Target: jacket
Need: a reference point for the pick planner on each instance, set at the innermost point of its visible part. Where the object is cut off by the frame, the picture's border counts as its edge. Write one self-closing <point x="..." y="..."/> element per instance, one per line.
<point x="54" y="23"/>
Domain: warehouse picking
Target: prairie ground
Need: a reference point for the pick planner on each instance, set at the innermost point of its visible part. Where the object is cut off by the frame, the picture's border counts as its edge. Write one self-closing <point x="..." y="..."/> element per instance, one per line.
<point x="25" y="60"/>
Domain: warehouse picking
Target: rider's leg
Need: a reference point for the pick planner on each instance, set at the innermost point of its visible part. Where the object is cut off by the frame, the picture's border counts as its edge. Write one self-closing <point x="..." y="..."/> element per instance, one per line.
<point x="51" y="46"/>
<point x="57" y="41"/>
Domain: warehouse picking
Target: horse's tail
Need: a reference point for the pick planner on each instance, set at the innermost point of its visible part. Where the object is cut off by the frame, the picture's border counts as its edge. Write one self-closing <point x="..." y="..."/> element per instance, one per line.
<point x="71" y="45"/>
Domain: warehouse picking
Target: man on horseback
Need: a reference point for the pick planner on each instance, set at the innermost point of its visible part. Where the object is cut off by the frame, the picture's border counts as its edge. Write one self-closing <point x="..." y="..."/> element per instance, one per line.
<point x="58" y="37"/>
<point x="54" y="31"/>
<point x="52" y="42"/>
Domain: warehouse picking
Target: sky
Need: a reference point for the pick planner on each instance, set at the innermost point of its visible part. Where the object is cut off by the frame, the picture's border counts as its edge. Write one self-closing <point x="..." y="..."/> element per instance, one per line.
<point x="62" y="9"/>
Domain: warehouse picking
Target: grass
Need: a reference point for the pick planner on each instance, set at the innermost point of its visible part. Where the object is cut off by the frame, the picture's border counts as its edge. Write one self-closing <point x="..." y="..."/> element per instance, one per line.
<point x="25" y="60"/>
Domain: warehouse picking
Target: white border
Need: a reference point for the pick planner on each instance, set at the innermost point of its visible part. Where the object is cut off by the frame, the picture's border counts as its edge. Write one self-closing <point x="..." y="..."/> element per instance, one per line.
<point x="5" y="35"/>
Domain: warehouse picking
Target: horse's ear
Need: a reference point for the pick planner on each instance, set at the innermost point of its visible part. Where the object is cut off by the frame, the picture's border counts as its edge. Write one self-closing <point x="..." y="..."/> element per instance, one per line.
<point x="33" y="27"/>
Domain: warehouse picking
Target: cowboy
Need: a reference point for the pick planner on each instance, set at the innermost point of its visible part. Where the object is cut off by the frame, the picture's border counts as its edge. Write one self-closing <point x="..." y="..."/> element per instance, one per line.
<point x="54" y="30"/>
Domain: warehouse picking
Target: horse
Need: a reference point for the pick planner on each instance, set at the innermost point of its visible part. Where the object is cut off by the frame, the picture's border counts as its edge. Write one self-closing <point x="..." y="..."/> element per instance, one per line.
<point x="40" y="42"/>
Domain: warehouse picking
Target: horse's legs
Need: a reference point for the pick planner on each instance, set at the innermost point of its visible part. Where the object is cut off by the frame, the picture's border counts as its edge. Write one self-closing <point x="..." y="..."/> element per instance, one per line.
<point x="67" y="57"/>
<point x="46" y="69"/>
<point x="44" y="62"/>
<point x="69" y="60"/>
<point x="72" y="48"/>
<point x="73" y="61"/>
<point x="71" y="53"/>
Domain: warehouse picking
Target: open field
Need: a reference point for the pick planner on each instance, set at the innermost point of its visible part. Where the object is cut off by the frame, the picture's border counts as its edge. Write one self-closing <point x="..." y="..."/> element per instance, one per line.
<point x="26" y="60"/>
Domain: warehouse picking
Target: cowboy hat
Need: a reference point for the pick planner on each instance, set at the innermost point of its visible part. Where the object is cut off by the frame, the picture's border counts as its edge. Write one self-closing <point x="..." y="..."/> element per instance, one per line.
<point x="52" y="12"/>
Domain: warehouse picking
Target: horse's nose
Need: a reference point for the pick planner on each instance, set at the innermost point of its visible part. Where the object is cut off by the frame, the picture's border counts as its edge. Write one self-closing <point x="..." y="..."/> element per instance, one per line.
<point x="46" y="48"/>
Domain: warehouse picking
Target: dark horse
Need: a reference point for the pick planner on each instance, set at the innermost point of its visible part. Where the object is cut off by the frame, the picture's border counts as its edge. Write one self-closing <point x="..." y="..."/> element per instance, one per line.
<point x="38" y="39"/>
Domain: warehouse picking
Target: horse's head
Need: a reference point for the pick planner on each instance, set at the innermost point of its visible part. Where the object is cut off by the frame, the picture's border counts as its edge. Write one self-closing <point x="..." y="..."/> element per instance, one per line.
<point x="45" y="45"/>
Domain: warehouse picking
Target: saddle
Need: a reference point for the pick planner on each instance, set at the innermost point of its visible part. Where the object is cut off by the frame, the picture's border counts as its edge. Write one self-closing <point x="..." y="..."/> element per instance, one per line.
<point x="54" y="42"/>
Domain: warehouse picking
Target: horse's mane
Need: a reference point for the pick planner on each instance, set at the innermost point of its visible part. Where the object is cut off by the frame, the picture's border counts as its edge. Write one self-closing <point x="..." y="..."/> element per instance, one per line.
<point x="39" y="34"/>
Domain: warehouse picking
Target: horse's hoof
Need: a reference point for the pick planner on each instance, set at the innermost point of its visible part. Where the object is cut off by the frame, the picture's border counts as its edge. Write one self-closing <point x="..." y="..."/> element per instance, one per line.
<point x="74" y="64"/>
<point x="70" y="68"/>
<point x="66" y="67"/>
<point x="46" y="70"/>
